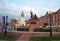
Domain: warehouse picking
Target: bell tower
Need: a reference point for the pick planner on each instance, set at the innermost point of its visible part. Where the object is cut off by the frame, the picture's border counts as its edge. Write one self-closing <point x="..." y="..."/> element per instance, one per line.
<point x="21" y="19"/>
<point x="22" y="14"/>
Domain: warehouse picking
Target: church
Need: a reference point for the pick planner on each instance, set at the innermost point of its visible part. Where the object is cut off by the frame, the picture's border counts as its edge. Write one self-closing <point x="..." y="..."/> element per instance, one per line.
<point x="21" y="21"/>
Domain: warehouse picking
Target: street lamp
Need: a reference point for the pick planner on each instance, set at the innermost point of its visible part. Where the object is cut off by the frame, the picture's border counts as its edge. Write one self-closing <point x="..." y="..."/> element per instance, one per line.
<point x="50" y="16"/>
<point x="6" y="24"/>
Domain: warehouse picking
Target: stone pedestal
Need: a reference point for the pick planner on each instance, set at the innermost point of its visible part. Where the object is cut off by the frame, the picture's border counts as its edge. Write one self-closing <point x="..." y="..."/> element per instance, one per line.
<point x="31" y="29"/>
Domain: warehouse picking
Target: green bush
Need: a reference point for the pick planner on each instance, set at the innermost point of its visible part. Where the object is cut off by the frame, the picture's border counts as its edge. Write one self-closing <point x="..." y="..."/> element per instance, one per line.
<point x="23" y="29"/>
<point x="41" y="30"/>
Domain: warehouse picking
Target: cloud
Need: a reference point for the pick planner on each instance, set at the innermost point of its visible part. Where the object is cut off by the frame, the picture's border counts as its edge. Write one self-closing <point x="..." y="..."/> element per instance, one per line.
<point x="28" y="9"/>
<point x="13" y="8"/>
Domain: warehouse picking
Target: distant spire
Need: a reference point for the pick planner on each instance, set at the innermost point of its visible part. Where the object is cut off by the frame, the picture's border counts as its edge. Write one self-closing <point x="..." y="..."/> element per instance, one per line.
<point x="22" y="14"/>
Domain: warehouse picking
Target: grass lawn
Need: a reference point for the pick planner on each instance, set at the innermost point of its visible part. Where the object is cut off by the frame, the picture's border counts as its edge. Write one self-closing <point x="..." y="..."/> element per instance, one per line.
<point x="44" y="38"/>
<point x="10" y="36"/>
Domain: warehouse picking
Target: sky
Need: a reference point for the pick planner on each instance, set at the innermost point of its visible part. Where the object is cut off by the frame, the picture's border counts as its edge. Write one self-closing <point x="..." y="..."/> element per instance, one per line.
<point x="39" y="7"/>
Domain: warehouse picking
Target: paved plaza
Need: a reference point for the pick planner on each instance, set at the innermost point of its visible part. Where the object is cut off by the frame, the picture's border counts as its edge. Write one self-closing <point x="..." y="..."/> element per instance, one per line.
<point x="26" y="35"/>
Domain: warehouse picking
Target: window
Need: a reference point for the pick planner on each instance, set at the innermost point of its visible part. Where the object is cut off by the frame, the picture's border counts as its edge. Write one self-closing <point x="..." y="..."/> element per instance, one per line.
<point x="55" y="18"/>
<point x="55" y="23"/>
<point x="59" y="18"/>
<point x="58" y="23"/>
<point x="52" y="19"/>
<point x="33" y="22"/>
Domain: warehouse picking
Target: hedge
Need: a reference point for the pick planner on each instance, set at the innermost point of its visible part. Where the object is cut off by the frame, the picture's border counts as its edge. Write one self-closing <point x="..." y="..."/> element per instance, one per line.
<point x="41" y="30"/>
<point x="22" y="29"/>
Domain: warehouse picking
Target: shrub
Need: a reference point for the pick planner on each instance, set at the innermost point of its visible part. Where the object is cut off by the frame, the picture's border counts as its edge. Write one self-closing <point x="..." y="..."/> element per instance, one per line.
<point x="41" y="30"/>
<point x="23" y="29"/>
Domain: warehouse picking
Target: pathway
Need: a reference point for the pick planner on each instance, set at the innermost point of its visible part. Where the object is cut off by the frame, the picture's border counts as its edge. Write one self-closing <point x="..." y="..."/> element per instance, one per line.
<point x="24" y="37"/>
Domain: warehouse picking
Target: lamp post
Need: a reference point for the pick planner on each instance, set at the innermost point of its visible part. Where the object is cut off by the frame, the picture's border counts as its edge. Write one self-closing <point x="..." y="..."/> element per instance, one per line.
<point x="50" y="16"/>
<point x="6" y="25"/>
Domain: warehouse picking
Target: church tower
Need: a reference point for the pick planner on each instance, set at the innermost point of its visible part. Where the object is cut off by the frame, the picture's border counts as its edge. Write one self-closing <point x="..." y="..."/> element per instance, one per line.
<point x="22" y="14"/>
<point x="21" y="19"/>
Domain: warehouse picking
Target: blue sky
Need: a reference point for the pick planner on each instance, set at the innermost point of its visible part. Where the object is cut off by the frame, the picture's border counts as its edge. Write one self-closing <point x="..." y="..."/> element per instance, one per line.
<point x="14" y="7"/>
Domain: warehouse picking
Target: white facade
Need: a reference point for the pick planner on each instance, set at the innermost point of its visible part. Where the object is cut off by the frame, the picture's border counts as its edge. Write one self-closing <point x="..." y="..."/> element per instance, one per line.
<point x="21" y="20"/>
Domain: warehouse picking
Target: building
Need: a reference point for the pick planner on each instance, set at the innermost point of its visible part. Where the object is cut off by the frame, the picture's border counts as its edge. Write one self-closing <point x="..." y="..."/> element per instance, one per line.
<point x="21" y="20"/>
<point x="44" y="20"/>
<point x="12" y="23"/>
<point x="55" y="19"/>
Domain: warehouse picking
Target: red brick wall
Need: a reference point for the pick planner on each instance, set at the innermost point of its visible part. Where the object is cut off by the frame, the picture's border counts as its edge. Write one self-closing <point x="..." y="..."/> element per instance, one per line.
<point x="46" y="19"/>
